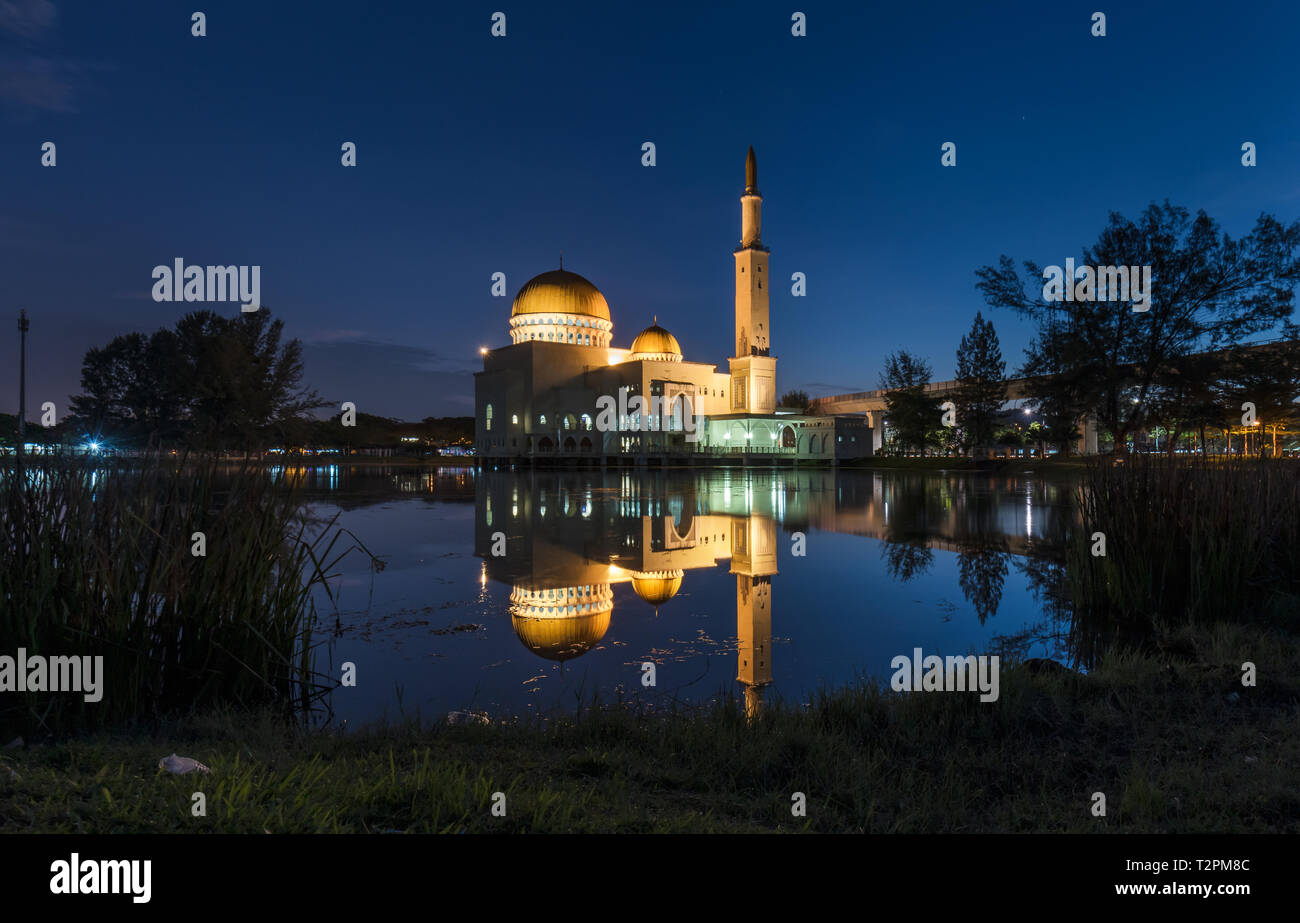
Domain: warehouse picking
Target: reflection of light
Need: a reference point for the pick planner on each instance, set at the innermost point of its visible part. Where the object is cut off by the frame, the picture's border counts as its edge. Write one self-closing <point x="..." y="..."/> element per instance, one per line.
<point x="482" y="577"/>
<point x="1029" y="514"/>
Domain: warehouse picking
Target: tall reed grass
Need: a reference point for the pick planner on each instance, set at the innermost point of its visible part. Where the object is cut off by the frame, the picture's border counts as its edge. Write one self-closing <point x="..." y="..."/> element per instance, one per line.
<point x="1187" y="542"/>
<point x="97" y="559"/>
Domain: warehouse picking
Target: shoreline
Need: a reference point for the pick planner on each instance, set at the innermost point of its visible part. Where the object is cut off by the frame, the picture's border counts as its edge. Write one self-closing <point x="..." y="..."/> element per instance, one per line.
<point x="1174" y="742"/>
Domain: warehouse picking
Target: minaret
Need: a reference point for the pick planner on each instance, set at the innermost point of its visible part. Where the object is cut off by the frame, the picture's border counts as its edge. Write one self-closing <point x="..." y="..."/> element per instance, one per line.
<point x="753" y="370"/>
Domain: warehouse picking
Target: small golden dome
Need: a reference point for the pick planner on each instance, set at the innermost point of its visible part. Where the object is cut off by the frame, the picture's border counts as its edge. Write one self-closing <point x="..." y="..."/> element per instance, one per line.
<point x="659" y="586"/>
<point x="560" y="292"/>
<point x="562" y="637"/>
<point x="654" y="342"/>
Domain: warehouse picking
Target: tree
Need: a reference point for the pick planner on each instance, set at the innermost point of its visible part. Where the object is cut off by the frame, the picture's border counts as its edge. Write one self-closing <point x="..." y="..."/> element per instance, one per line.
<point x="911" y="413"/>
<point x="214" y="382"/>
<point x="1207" y="291"/>
<point x="981" y="383"/>
<point x="1269" y="378"/>
<point x="799" y="399"/>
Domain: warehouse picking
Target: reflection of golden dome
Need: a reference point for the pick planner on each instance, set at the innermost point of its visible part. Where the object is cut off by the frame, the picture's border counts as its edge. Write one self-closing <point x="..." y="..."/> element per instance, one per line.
<point x="560" y="292"/>
<point x="658" y="586"/>
<point x="562" y="637"/>
<point x="654" y="342"/>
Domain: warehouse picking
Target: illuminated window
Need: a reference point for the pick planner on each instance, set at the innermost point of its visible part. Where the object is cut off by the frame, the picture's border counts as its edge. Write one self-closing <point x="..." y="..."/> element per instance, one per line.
<point x="487" y="419"/>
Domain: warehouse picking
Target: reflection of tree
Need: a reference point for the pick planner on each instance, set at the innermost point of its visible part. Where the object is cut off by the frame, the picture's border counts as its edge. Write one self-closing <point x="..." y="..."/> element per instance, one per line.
<point x="982" y="571"/>
<point x="907" y="559"/>
<point x="1050" y="636"/>
<point x="1045" y="577"/>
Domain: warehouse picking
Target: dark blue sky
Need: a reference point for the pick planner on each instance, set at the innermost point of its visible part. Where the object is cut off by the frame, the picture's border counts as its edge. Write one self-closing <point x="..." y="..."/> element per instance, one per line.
<point x="479" y="154"/>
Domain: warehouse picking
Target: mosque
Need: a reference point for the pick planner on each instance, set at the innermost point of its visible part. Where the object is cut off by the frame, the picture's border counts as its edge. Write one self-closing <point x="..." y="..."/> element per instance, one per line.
<point x="561" y="391"/>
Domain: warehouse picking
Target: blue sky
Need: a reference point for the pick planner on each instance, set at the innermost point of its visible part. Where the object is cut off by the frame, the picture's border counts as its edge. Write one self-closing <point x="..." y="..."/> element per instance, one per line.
<point x="479" y="154"/>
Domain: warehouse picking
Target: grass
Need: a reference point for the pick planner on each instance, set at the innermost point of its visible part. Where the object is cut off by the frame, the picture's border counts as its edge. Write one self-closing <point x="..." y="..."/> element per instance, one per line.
<point x="98" y="560"/>
<point x="1160" y="736"/>
<point x="1187" y="542"/>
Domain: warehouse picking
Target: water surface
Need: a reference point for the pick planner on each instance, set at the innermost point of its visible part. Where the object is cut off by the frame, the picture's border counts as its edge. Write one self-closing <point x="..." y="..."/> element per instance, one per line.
<point x="697" y="571"/>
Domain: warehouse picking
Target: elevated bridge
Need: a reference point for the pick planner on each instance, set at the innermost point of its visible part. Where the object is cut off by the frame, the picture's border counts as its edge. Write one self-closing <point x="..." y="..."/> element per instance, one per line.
<point x="872" y="403"/>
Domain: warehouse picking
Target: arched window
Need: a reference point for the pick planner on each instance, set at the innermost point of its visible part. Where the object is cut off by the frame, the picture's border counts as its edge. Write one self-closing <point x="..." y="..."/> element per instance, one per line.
<point x="514" y="419"/>
<point x="586" y="422"/>
<point x="541" y="419"/>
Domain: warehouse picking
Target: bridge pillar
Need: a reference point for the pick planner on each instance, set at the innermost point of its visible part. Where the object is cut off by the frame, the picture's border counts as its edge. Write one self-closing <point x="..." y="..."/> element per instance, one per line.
<point x="877" y="432"/>
<point x="1087" y="444"/>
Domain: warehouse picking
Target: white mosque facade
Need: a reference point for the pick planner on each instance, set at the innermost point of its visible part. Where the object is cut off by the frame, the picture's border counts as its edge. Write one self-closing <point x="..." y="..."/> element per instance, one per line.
<point x="562" y="391"/>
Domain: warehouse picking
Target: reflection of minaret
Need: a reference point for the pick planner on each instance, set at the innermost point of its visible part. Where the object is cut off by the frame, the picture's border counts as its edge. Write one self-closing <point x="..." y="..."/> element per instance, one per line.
<point x="753" y="561"/>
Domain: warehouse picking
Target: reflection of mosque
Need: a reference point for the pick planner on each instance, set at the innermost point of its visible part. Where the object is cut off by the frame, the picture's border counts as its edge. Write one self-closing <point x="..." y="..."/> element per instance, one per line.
<point x="570" y="536"/>
<point x="569" y="539"/>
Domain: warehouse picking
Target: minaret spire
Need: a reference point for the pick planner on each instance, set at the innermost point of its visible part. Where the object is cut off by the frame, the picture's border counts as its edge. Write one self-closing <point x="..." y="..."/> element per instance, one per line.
<point x="753" y="368"/>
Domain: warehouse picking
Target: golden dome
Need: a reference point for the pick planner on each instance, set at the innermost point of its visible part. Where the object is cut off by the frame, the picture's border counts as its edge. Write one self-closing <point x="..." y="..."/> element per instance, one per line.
<point x="560" y="292"/>
<point x="562" y="637"/>
<point x="655" y="342"/>
<point x="659" y="586"/>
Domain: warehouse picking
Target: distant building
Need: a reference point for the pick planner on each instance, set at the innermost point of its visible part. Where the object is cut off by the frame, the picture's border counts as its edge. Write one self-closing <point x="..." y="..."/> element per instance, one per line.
<point x="562" y="391"/>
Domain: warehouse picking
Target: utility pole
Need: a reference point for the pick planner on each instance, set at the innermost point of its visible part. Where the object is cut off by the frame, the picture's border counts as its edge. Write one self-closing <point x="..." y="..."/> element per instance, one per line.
<point x="22" y="393"/>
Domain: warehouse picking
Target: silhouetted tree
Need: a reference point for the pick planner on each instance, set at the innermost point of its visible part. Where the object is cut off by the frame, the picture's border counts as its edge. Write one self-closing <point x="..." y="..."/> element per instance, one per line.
<point x="981" y="383"/>
<point x="798" y="399"/>
<point x="1207" y="291"/>
<point x="214" y="382"/>
<point x="911" y="413"/>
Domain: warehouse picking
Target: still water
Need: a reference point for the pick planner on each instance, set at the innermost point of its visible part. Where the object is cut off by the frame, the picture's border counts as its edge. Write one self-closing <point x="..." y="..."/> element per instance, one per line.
<point x="508" y="593"/>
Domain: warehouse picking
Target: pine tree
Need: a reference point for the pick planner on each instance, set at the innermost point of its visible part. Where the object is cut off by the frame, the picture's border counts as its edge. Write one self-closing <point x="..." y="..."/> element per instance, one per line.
<point x="912" y="415"/>
<point x="981" y="383"/>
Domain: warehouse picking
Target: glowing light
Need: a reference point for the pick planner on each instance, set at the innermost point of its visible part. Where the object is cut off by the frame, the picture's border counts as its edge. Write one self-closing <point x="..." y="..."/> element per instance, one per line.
<point x="482" y="350"/>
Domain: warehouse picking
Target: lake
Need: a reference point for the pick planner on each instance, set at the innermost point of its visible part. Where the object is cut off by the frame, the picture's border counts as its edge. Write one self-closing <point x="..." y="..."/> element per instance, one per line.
<point x="510" y="593"/>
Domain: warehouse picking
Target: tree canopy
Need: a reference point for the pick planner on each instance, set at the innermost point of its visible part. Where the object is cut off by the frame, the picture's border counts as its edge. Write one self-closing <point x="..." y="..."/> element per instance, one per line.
<point x="1208" y="292"/>
<point x="211" y="382"/>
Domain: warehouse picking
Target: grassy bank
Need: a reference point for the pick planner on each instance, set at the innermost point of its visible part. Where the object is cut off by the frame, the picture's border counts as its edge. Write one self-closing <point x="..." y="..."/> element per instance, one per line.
<point x="1185" y="543"/>
<point x="1166" y="740"/>
<point x="192" y="580"/>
